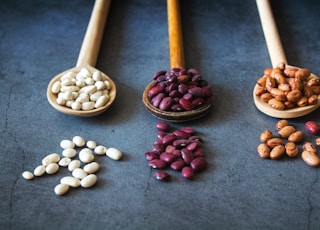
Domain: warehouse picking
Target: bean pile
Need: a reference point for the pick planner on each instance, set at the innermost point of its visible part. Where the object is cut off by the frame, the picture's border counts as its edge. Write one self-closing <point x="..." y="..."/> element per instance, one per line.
<point x="179" y="90"/>
<point x="285" y="87"/>
<point x="82" y="90"/>
<point x="83" y="169"/>
<point x="179" y="149"/>
<point x="287" y="143"/>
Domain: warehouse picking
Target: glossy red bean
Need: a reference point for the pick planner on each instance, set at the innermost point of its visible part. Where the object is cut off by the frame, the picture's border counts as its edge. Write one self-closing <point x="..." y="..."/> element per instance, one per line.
<point x="198" y="153"/>
<point x="162" y="176"/>
<point x="181" y="143"/>
<point x="192" y="146"/>
<point x="165" y="103"/>
<point x="198" y="164"/>
<point x="187" y="172"/>
<point x="187" y="155"/>
<point x="162" y="126"/>
<point x="188" y="96"/>
<point x="155" y="90"/>
<point x="167" y="157"/>
<point x="198" y="101"/>
<point x="157" y="164"/>
<point x="158" y="148"/>
<point x="188" y="130"/>
<point x="182" y="88"/>
<point x="196" y="91"/>
<point x="177" y="165"/>
<point x="169" y="139"/>
<point x="187" y="105"/>
<point x="170" y="149"/>
<point x="151" y="155"/>
<point x="156" y="100"/>
<point x="158" y="74"/>
<point x="181" y="134"/>
<point x="177" y="152"/>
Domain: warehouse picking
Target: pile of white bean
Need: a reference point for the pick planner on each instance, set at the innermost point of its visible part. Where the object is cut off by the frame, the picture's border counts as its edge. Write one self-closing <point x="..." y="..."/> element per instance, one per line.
<point x="82" y="169"/>
<point x="82" y="90"/>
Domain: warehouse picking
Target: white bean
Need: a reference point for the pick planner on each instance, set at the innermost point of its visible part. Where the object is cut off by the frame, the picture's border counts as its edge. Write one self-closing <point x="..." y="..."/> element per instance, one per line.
<point x="52" y="168"/>
<point x="85" y="155"/>
<point x="71" y="181"/>
<point x="64" y="162"/>
<point x="61" y="189"/>
<point x="114" y="153"/>
<point x="69" y="103"/>
<point x="39" y="170"/>
<point x="96" y="95"/>
<point x="78" y="141"/>
<point x="73" y="165"/>
<point x="66" y="144"/>
<point x="91" y="144"/>
<point x="89" y="105"/>
<point x="100" y="150"/>
<point x="85" y="72"/>
<point x="88" y="181"/>
<point x="71" y="88"/>
<point x="92" y="167"/>
<point x="89" y="89"/>
<point x="79" y="173"/>
<point x="76" y="105"/>
<point x="100" y="85"/>
<point x="27" y="175"/>
<point x="51" y="158"/>
<point x="101" y="101"/>
<point x="89" y="81"/>
<point x="69" y="152"/>
<point x="96" y="75"/>
<point x="60" y="101"/>
<point x="56" y="87"/>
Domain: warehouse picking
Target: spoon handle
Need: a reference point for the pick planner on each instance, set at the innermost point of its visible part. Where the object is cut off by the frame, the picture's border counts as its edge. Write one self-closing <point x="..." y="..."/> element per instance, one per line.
<point x="175" y="35"/>
<point x="271" y="33"/>
<point x="91" y="44"/>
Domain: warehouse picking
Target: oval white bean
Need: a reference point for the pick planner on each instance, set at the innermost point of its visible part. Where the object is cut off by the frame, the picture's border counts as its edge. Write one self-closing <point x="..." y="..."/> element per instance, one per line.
<point x="89" y="105"/>
<point x="78" y="141"/>
<point x="51" y="158"/>
<point x="79" y="173"/>
<point x="69" y="152"/>
<point x="27" y="175"/>
<point x="101" y="101"/>
<point x="91" y="144"/>
<point x="73" y="165"/>
<point x="64" y="162"/>
<point x="39" y="170"/>
<point x="85" y="155"/>
<point x="56" y="87"/>
<point x="76" y="105"/>
<point x="66" y="144"/>
<point x="100" y="150"/>
<point x="89" y="181"/>
<point x="114" y="154"/>
<point x="70" y="181"/>
<point x="92" y="167"/>
<point x="52" y="168"/>
<point x="61" y="189"/>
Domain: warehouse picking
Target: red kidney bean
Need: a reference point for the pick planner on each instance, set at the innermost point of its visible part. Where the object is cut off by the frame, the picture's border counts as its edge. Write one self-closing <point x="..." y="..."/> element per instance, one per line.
<point x="198" y="153"/>
<point x="177" y="152"/>
<point x="167" y="157"/>
<point x="157" y="142"/>
<point x="180" y="134"/>
<point x="156" y="100"/>
<point x="198" y="101"/>
<point x="174" y="93"/>
<point x="198" y="164"/>
<point x="170" y="149"/>
<point x="193" y="71"/>
<point x="195" y="138"/>
<point x="188" y="130"/>
<point x="158" y="74"/>
<point x="173" y="86"/>
<point x="181" y="143"/>
<point x="162" y="126"/>
<point x="151" y="155"/>
<point x="182" y="88"/>
<point x="162" y="176"/>
<point x="169" y="139"/>
<point x="161" y="135"/>
<point x="196" y="77"/>
<point x="177" y="165"/>
<point x="187" y="105"/>
<point x="157" y="164"/>
<point x="192" y="146"/>
<point x="158" y="148"/>
<point x="176" y="108"/>
<point x="196" y="91"/>
<point x="187" y="172"/>
<point x="155" y="90"/>
<point x="187" y="155"/>
<point x="188" y="96"/>
<point x="165" y="104"/>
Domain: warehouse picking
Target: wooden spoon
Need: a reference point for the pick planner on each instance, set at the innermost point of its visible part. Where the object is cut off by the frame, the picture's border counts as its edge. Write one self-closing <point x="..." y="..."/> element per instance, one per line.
<point x="87" y="58"/>
<point x="176" y="61"/>
<point x="276" y="55"/>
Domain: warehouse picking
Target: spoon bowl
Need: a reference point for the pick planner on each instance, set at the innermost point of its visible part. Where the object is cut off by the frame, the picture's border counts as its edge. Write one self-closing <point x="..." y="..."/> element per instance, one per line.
<point x="87" y="59"/>
<point x="277" y="55"/>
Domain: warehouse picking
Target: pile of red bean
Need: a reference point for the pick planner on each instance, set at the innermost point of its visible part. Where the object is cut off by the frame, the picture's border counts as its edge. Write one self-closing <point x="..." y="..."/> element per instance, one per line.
<point x="179" y="150"/>
<point x="179" y="90"/>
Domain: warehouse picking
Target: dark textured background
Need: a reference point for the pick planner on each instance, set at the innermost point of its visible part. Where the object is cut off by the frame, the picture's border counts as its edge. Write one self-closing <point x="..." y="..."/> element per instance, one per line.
<point x="224" y="41"/>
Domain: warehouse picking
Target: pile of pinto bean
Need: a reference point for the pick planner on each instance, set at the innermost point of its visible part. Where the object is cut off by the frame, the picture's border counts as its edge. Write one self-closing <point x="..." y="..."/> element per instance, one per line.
<point x="179" y="90"/>
<point x="286" y="87"/>
<point x="179" y="150"/>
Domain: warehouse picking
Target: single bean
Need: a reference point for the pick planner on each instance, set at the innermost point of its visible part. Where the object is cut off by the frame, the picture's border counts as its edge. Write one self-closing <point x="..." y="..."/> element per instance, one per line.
<point x="286" y="131"/>
<point x="187" y="155"/>
<point x="64" y="162"/>
<point x="282" y="123"/>
<point x="169" y="139"/>
<point x="273" y="142"/>
<point x="310" y="158"/>
<point x="162" y="176"/>
<point x="92" y="167"/>
<point x="114" y="154"/>
<point x="165" y="104"/>
<point x="178" y="164"/>
<point x="296" y="137"/>
<point x="51" y="158"/>
<point x="156" y="100"/>
<point x="27" y="175"/>
<point x="187" y="172"/>
<point x="69" y="152"/>
<point x="157" y="164"/>
<point x="61" y="189"/>
<point x="198" y="164"/>
<point x="167" y="157"/>
<point x="312" y="127"/>
<point x="79" y="173"/>
<point x="100" y="150"/>
<point x="85" y="155"/>
<point x="308" y="146"/>
<point x="162" y="126"/>
<point x="277" y="152"/>
<point x="187" y="105"/>
<point x="292" y="149"/>
<point x="39" y="170"/>
<point x="89" y="181"/>
<point x="73" y="165"/>
<point x="91" y="144"/>
<point x="266" y="135"/>
<point x="70" y="181"/>
<point x="263" y="151"/>
<point x="67" y="144"/>
<point x="52" y="168"/>
<point x="155" y="90"/>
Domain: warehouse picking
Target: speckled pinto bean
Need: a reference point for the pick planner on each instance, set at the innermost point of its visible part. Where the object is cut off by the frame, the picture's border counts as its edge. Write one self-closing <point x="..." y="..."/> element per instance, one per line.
<point x="179" y="150"/>
<point x="179" y="90"/>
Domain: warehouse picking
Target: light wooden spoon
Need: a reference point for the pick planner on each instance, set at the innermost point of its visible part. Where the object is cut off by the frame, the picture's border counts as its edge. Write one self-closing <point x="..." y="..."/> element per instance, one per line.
<point x="277" y="55"/>
<point x="87" y="58"/>
<point x="176" y="61"/>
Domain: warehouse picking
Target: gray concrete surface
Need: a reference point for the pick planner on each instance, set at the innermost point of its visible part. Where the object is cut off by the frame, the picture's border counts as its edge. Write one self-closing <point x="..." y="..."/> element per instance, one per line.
<point x="224" y="41"/>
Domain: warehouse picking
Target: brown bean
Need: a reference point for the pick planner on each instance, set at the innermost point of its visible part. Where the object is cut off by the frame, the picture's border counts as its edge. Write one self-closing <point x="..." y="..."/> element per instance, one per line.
<point x="275" y="141"/>
<point x="302" y="101"/>
<point x="308" y="146"/>
<point x="292" y="149"/>
<point x="318" y="141"/>
<point x="310" y="158"/>
<point x="296" y="137"/>
<point x="294" y="95"/>
<point x="262" y="81"/>
<point x="282" y="123"/>
<point x="286" y="131"/>
<point x="276" y="104"/>
<point x="266" y="135"/>
<point x="277" y="152"/>
<point x="265" y="97"/>
<point x="263" y="151"/>
<point x="290" y="72"/>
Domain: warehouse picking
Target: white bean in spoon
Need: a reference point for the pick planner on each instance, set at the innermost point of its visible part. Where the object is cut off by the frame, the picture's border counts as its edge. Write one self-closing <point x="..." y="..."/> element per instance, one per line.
<point x="87" y="60"/>
<point x="276" y="55"/>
